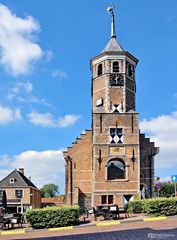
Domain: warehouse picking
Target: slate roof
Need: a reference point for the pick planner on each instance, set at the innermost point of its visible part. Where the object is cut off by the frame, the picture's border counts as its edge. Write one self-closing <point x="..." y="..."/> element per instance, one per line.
<point x="113" y="46"/>
<point x="20" y="180"/>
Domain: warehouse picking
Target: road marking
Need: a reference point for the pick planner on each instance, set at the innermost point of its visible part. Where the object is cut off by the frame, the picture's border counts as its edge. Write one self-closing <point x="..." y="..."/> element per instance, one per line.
<point x="60" y="228"/>
<point x="107" y="223"/>
<point x="12" y="232"/>
<point x="154" y="219"/>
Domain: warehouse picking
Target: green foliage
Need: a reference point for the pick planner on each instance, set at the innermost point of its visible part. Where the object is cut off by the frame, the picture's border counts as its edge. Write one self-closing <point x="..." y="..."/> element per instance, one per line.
<point x="167" y="189"/>
<point x="50" y="190"/>
<point x="53" y="216"/>
<point x="155" y="206"/>
<point x="160" y="206"/>
<point x="135" y="206"/>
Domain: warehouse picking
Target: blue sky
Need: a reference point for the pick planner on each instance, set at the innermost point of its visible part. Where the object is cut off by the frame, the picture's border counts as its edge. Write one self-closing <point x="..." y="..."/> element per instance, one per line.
<point x="45" y="100"/>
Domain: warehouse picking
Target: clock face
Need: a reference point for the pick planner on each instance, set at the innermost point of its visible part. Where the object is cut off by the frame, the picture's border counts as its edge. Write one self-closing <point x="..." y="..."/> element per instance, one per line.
<point x="116" y="80"/>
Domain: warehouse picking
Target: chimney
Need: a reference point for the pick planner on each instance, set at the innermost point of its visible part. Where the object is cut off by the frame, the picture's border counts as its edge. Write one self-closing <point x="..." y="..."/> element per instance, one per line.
<point x="21" y="170"/>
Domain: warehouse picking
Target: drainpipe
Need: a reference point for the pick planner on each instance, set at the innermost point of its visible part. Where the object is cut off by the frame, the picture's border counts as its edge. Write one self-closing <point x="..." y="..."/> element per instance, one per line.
<point x="71" y="180"/>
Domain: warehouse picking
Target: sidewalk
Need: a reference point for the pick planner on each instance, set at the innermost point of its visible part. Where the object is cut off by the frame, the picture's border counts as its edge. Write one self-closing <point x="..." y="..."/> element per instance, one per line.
<point x="132" y="219"/>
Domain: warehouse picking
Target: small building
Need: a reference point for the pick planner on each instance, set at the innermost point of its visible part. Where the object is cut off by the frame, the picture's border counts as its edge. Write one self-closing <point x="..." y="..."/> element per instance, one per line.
<point x="21" y="193"/>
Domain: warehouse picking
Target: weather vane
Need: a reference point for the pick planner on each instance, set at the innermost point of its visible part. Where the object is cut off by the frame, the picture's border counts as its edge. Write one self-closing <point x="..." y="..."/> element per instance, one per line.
<point x="110" y="9"/>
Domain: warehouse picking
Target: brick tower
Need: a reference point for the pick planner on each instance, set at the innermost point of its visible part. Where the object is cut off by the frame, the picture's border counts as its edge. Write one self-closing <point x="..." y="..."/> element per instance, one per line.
<point x="116" y="157"/>
<point x="107" y="164"/>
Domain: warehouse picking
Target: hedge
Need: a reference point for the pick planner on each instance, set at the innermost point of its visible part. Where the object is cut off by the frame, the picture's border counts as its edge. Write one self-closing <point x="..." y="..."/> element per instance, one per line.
<point x="53" y="217"/>
<point x="135" y="206"/>
<point x="154" y="206"/>
<point x="160" y="206"/>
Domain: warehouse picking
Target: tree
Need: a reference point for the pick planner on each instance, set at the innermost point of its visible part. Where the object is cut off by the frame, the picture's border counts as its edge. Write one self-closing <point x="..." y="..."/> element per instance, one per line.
<point x="50" y="190"/>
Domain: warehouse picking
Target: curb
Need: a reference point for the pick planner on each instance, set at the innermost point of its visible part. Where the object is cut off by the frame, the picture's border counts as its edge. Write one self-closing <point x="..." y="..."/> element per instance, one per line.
<point x="60" y="228"/>
<point x="100" y="224"/>
<point x="13" y="232"/>
<point x="154" y="219"/>
<point x="107" y="223"/>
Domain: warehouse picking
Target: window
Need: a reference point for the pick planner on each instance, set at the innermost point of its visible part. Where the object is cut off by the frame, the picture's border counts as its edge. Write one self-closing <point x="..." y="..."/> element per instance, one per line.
<point x="1" y="193"/>
<point x="19" y="193"/>
<point x="115" y="66"/>
<point x="12" y="180"/>
<point x="116" y="135"/>
<point x="115" y="169"/>
<point x="107" y="199"/>
<point x="130" y="70"/>
<point x="110" y="199"/>
<point x="100" y="69"/>
<point x="103" y="199"/>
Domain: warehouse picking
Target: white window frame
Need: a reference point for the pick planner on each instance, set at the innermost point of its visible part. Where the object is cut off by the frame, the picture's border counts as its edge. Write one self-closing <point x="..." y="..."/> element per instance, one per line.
<point x="12" y="180"/>
<point x="19" y="190"/>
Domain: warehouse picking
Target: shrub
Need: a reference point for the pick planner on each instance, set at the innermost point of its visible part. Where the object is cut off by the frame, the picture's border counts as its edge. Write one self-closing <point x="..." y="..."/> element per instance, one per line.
<point x="53" y="216"/>
<point x="135" y="206"/>
<point x="160" y="206"/>
<point x="154" y="206"/>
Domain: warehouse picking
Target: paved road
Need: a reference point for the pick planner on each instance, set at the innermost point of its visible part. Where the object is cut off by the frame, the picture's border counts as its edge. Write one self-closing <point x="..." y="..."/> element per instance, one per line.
<point x="166" y="230"/>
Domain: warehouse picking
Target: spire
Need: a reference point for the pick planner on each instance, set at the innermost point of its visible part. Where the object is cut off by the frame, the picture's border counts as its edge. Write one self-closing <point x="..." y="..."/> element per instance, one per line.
<point x="113" y="45"/>
<point x="111" y="10"/>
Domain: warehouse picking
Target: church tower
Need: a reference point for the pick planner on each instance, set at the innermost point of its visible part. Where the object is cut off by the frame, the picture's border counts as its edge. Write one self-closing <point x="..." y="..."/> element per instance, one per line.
<point x="112" y="163"/>
<point x="116" y="158"/>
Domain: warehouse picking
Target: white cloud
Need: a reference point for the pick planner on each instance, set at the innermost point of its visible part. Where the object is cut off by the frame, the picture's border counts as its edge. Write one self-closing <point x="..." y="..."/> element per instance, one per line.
<point x="4" y="160"/>
<point x="19" y="88"/>
<point x="163" y="130"/>
<point x="47" y="120"/>
<point x="22" y="92"/>
<point x="43" y="166"/>
<point x="18" y="50"/>
<point x="8" y="115"/>
<point x="59" y="74"/>
<point x="48" y="55"/>
<point x="17" y="114"/>
<point x="34" y="99"/>
<point x="68" y="120"/>
<point x="44" y="120"/>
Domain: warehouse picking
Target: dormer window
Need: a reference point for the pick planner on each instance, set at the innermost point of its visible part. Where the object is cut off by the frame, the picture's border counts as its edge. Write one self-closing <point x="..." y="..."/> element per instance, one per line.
<point x="100" y="70"/>
<point x="12" y="180"/>
<point x="115" y="66"/>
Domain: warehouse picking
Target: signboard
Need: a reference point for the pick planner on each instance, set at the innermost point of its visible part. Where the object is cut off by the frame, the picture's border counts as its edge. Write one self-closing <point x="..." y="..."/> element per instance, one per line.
<point x="174" y="178"/>
<point x="117" y="151"/>
<point x="158" y="186"/>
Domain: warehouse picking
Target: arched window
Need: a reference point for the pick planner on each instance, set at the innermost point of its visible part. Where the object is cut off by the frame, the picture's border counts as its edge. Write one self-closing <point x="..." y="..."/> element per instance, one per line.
<point x="100" y="69"/>
<point x="115" y="66"/>
<point x="115" y="169"/>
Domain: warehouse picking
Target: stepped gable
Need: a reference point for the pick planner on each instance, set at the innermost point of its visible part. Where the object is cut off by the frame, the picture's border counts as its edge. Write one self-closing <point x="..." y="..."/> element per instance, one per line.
<point x="78" y="140"/>
<point x="147" y="145"/>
